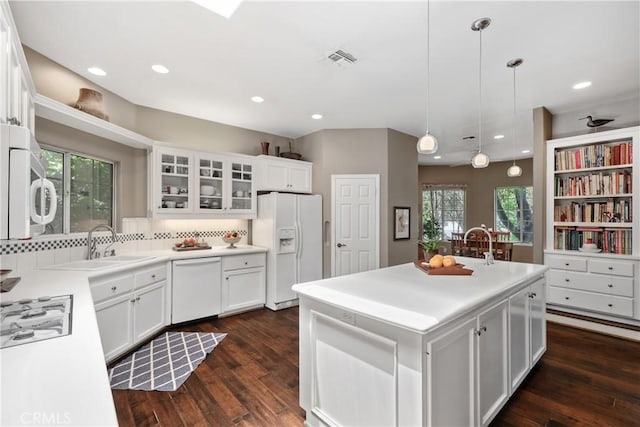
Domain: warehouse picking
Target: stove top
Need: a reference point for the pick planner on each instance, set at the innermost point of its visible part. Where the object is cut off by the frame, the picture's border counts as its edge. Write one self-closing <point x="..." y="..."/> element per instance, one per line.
<point x="30" y="320"/>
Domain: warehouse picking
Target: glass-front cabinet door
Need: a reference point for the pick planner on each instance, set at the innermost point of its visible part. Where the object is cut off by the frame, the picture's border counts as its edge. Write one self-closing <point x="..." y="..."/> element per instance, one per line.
<point x="242" y="197"/>
<point x="173" y="186"/>
<point x="210" y="188"/>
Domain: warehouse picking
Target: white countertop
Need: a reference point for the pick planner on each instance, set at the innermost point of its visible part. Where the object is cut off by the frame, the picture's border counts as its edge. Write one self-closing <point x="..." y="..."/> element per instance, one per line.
<point x="64" y="380"/>
<point x="407" y="297"/>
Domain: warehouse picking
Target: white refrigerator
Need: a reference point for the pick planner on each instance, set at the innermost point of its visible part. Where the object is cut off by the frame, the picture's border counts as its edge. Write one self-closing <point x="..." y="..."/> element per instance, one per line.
<point x="290" y="226"/>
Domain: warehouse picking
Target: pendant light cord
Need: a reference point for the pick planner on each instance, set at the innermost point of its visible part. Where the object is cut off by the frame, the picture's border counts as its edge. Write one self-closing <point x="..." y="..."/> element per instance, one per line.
<point x="480" y="109"/>
<point x="428" y="64"/>
<point x="514" y="115"/>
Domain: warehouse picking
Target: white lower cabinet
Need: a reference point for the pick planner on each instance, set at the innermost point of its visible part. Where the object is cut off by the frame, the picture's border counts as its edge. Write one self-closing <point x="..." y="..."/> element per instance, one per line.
<point x="472" y="354"/>
<point x="243" y="282"/>
<point x="527" y="330"/>
<point x="130" y="307"/>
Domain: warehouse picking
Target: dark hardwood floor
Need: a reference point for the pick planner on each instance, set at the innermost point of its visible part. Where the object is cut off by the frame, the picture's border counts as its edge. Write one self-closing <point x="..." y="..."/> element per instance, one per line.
<point x="251" y="379"/>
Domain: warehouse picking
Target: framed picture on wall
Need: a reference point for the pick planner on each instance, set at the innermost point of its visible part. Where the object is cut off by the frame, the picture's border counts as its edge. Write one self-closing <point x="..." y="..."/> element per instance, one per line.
<point x="401" y="228"/>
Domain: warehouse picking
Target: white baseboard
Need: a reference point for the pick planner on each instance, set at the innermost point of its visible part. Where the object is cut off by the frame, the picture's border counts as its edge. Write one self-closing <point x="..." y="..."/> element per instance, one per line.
<point x="596" y="327"/>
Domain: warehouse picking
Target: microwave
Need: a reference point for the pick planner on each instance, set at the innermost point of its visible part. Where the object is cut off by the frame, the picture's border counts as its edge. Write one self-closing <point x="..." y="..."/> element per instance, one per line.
<point x="28" y="200"/>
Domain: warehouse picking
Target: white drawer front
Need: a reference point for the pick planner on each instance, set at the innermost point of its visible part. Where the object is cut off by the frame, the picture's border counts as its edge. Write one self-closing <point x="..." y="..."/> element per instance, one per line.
<point x="619" y="268"/>
<point x="243" y="261"/>
<point x="151" y="275"/>
<point x="111" y="287"/>
<point x="612" y="285"/>
<point x="566" y="263"/>
<point x="615" y="305"/>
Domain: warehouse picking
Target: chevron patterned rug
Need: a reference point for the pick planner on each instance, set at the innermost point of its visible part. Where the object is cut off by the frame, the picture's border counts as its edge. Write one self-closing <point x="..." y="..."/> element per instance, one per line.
<point x="165" y="363"/>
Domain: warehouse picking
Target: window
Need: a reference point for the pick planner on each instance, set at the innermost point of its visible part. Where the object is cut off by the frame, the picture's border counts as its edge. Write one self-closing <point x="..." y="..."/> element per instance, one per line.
<point x="445" y="204"/>
<point x="514" y="212"/>
<point x="85" y="191"/>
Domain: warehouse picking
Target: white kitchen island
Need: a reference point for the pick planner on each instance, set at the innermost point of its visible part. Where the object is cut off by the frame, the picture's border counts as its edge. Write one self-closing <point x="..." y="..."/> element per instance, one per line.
<point x="396" y="346"/>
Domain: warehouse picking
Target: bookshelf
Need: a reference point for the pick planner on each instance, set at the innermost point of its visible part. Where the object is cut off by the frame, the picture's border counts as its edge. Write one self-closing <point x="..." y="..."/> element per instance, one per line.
<point x="593" y="197"/>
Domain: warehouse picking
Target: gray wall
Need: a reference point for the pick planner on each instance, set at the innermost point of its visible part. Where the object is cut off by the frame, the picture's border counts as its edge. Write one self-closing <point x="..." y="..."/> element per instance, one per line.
<point x="131" y="182"/>
<point x="480" y="191"/>
<point x="403" y="178"/>
<point x="352" y="151"/>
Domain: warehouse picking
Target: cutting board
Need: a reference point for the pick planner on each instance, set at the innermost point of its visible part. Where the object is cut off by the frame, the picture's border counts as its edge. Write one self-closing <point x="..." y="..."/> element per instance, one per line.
<point x="456" y="270"/>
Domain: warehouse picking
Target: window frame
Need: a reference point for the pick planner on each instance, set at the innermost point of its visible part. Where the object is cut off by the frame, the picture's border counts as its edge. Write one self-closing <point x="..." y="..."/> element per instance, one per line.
<point x="521" y="213"/>
<point x="66" y="187"/>
<point x="443" y="187"/>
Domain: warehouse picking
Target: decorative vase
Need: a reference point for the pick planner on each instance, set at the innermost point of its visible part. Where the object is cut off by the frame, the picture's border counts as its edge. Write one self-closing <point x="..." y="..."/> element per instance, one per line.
<point x="90" y="101"/>
<point x="429" y="253"/>
<point x="265" y="147"/>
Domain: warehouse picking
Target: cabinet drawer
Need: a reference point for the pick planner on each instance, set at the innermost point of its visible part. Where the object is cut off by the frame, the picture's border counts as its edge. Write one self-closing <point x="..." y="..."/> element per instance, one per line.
<point x="243" y="261"/>
<point x="150" y="275"/>
<point x="111" y="287"/>
<point x="566" y="263"/>
<point x="612" y="285"/>
<point x="615" y="305"/>
<point x="619" y="268"/>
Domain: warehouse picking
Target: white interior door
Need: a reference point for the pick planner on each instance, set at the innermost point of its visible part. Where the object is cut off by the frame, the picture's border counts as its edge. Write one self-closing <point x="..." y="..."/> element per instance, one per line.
<point x="355" y="219"/>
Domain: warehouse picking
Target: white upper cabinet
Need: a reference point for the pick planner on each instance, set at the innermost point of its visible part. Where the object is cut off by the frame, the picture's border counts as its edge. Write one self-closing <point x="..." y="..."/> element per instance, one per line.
<point x="278" y="174"/>
<point x="206" y="185"/>
<point x="17" y="88"/>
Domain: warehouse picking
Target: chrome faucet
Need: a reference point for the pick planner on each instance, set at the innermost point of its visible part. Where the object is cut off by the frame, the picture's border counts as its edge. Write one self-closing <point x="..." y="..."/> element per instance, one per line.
<point x="91" y="244"/>
<point x="488" y="256"/>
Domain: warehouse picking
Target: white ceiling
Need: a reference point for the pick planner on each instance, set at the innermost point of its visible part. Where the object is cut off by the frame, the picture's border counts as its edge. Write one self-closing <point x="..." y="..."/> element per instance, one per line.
<point x="278" y="50"/>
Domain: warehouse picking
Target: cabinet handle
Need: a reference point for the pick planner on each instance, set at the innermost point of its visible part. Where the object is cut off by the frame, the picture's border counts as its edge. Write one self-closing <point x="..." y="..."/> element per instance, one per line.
<point x="566" y="264"/>
<point x="226" y="278"/>
<point x="246" y="263"/>
<point x="133" y="301"/>
<point x="567" y="280"/>
<point x="532" y="295"/>
<point x="610" y="285"/>
<point x="610" y="305"/>
<point x="610" y="268"/>
<point x="566" y="298"/>
<point x="153" y="276"/>
<point x="481" y="330"/>
<point x="113" y="288"/>
<point x="138" y="299"/>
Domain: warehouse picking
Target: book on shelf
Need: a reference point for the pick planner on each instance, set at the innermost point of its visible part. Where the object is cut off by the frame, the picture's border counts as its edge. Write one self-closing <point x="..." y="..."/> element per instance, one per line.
<point x="610" y="240"/>
<point x="595" y="155"/>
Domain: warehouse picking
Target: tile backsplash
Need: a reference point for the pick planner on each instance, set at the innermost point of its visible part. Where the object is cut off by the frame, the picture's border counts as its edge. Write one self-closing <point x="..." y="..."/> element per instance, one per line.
<point x="138" y="234"/>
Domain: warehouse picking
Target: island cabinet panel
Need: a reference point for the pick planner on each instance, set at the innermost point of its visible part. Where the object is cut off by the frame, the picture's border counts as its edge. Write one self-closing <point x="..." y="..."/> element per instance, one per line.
<point x="527" y="331"/>
<point x="354" y="373"/>
<point x="450" y="365"/>
<point x="493" y="353"/>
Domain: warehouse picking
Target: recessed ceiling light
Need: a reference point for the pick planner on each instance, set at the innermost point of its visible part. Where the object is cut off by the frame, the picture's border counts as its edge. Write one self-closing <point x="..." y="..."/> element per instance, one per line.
<point x="316" y="116"/>
<point x="526" y="151"/>
<point x="160" y="69"/>
<point x="437" y="157"/>
<point x="97" y="71"/>
<point x="581" y="85"/>
<point x="257" y="99"/>
<point x="498" y="137"/>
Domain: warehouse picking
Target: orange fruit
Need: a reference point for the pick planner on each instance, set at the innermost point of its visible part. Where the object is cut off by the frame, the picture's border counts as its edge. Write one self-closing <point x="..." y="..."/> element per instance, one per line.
<point x="436" y="261"/>
<point x="449" y="261"/>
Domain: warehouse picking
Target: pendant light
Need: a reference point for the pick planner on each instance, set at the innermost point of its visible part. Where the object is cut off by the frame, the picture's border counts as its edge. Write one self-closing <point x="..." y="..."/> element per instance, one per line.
<point x="514" y="170"/>
<point x="428" y="144"/>
<point x="480" y="160"/>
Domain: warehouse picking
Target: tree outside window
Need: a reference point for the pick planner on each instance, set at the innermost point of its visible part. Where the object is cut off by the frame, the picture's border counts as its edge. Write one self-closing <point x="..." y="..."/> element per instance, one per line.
<point x="85" y="187"/>
<point x="444" y="205"/>
<point x="514" y="212"/>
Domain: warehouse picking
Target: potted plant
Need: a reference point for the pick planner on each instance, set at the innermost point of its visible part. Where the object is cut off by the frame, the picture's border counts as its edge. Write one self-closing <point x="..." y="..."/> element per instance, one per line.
<point x="431" y="233"/>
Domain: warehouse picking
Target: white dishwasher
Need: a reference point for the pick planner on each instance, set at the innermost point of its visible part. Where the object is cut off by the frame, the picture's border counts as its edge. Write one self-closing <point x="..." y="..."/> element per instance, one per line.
<point x="195" y="288"/>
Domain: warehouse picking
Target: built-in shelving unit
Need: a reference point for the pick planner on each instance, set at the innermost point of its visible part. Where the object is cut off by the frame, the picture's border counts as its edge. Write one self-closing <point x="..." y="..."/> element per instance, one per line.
<point x="592" y="185"/>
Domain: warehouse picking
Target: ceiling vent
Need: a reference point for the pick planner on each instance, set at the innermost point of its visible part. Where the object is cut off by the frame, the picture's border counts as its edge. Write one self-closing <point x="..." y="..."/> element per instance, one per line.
<point x="342" y="57"/>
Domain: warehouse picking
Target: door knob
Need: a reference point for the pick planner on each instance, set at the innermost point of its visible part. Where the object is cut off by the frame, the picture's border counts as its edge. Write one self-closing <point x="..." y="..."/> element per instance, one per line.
<point x="340" y="245"/>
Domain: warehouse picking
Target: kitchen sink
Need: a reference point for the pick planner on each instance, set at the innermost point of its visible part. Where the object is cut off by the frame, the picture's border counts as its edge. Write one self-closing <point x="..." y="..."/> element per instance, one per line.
<point x="100" y="263"/>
